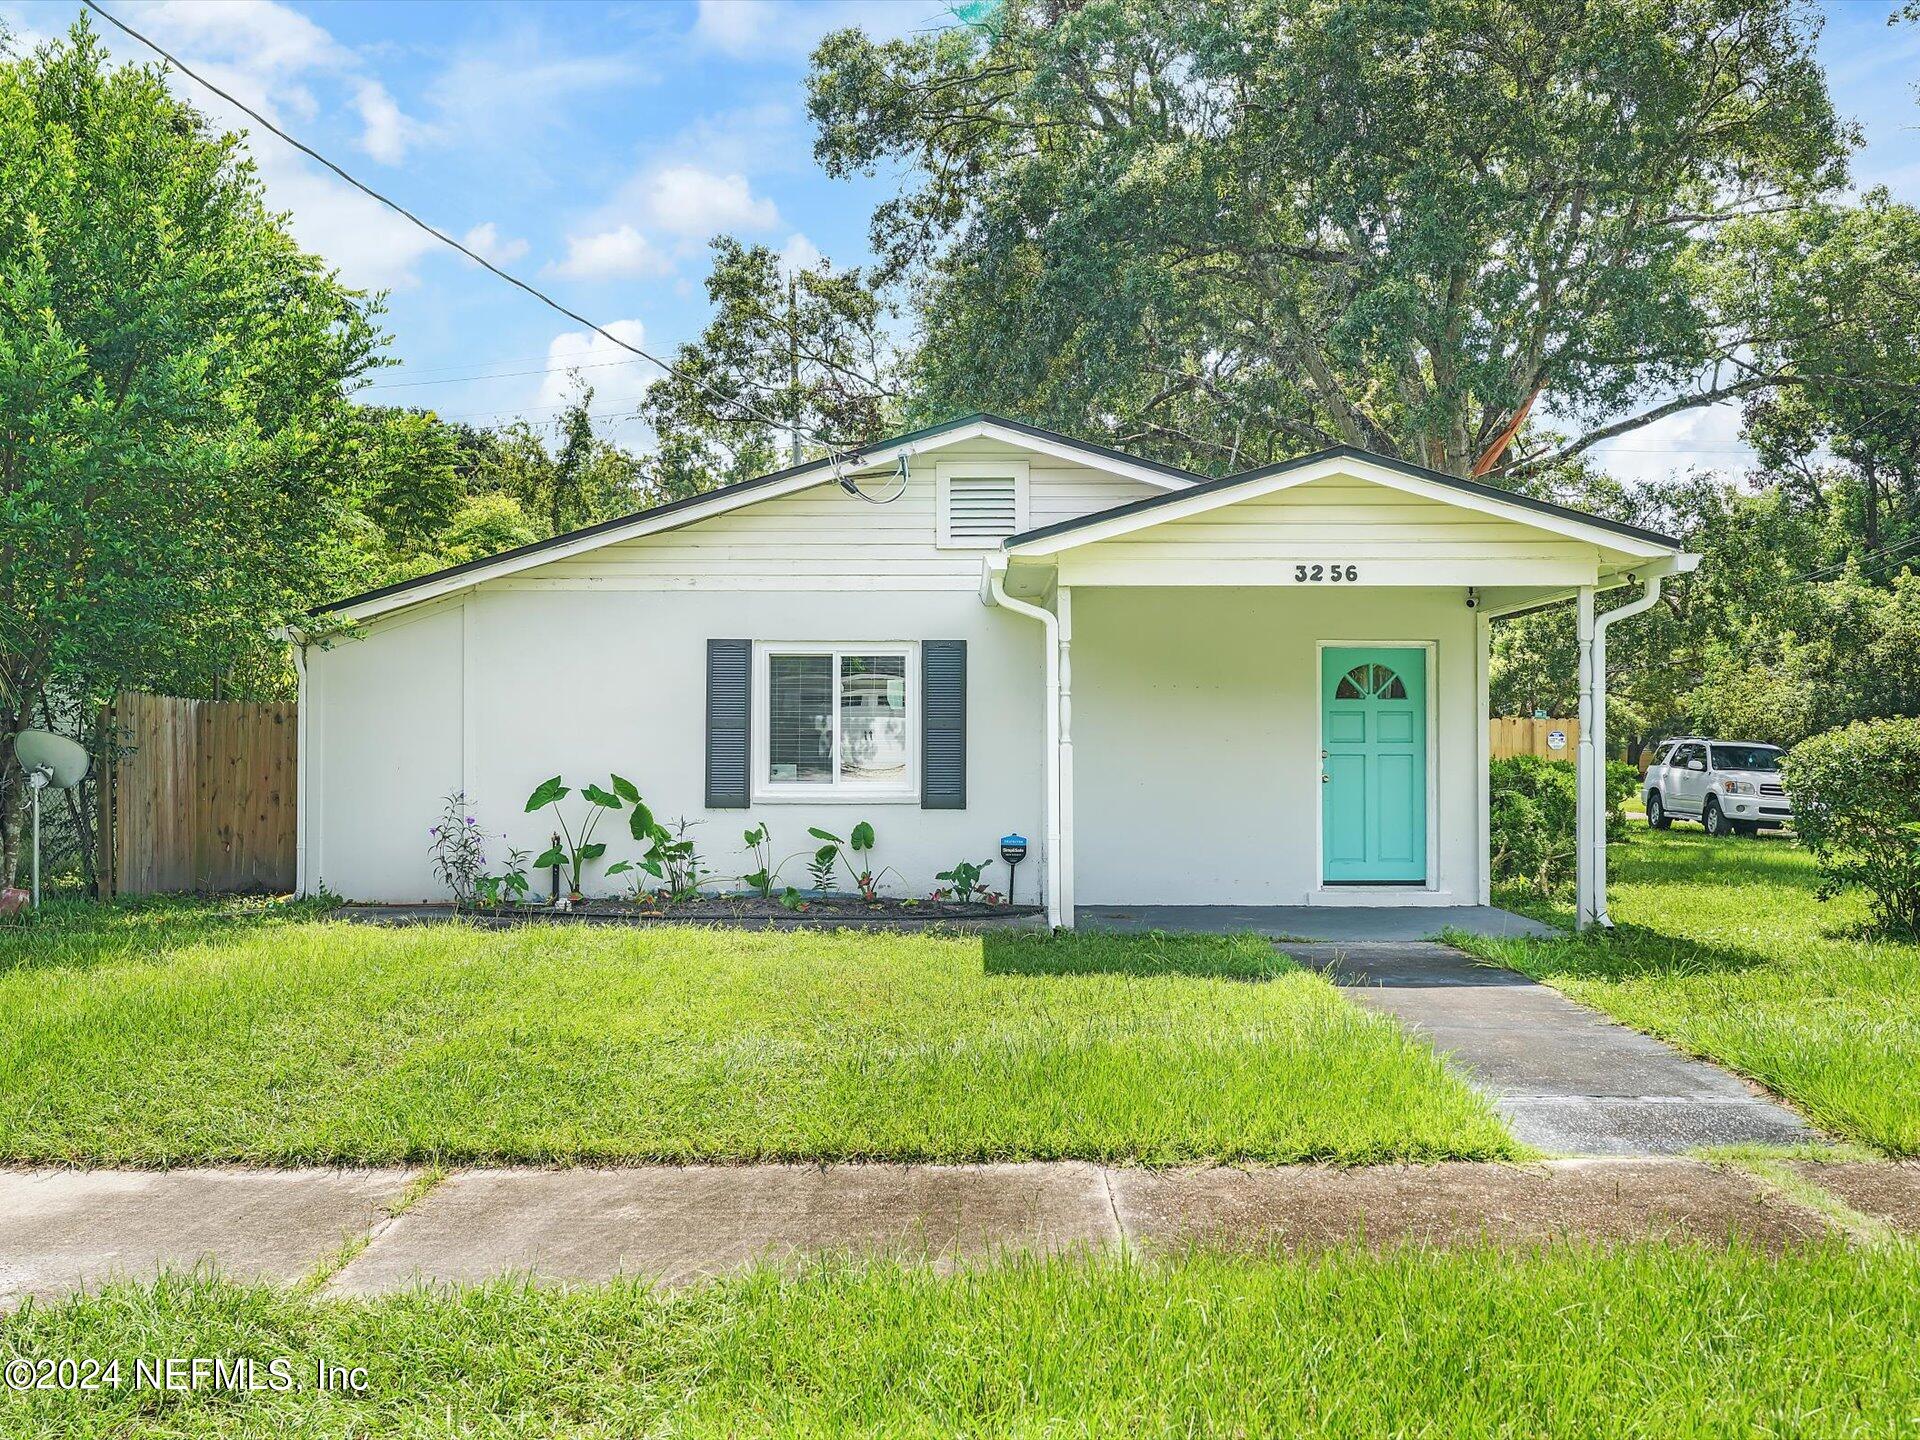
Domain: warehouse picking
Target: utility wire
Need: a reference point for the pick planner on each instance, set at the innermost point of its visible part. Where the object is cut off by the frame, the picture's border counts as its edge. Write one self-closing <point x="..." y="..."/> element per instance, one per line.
<point x="448" y="240"/>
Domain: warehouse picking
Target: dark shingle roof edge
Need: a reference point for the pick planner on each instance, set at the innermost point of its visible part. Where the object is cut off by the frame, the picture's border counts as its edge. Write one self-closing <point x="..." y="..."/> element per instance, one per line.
<point x="1340" y="452"/>
<point x="741" y="487"/>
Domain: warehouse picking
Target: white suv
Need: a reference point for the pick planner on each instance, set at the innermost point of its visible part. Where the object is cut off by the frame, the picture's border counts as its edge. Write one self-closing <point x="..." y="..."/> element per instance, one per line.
<point x="1727" y="785"/>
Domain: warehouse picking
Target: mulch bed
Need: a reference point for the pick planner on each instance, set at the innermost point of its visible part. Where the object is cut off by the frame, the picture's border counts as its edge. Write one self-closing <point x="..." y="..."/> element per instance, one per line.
<point x="746" y="912"/>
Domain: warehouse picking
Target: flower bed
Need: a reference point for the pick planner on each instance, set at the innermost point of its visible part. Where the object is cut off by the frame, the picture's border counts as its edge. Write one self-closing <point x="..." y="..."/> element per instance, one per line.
<point x="826" y="912"/>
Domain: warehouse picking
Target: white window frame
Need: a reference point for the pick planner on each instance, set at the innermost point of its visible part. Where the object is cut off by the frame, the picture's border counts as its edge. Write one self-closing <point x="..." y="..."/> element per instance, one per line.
<point x="768" y="791"/>
<point x="947" y="471"/>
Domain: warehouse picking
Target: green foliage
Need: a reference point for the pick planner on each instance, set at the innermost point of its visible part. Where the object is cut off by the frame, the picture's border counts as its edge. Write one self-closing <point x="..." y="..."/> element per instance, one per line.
<point x="964" y="882"/>
<point x="1532" y="809"/>
<point x="1856" y="805"/>
<point x="855" y="853"/>
<point x="1227" y="234"/>
<point x="507" y="888"/>
<point x="458" y="848"/>
<point x="177" y="449"/>
<point x="803" y="346"/>
<point x="573" y="851"/>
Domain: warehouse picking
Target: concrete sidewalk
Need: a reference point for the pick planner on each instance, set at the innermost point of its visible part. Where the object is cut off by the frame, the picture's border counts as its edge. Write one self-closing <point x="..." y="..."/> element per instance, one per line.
<point x="1567" y="1080"/>
<point x="62" y="1230"/>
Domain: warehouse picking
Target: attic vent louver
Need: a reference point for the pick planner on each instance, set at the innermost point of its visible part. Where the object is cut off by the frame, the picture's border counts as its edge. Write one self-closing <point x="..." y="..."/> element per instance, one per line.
<point x="981" y="504"/>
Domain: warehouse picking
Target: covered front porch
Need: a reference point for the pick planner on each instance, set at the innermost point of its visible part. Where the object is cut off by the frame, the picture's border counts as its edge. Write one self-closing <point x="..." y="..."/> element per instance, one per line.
<point x="1267" y="696"/>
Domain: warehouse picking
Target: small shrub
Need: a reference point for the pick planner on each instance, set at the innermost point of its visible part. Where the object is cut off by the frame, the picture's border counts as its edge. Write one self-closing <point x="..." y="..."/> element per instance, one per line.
<point x="458" y="849"/>
<point x="964" y="883"/>
<point x="1856" y="806"/>
<point x="508" y="888"/>
<point x="1533" y="804"/>
<point x="856" y="853"/>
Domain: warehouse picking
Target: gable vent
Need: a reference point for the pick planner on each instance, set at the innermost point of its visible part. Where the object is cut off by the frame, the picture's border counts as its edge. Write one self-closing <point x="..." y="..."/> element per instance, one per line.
<point x="980" y="507"/>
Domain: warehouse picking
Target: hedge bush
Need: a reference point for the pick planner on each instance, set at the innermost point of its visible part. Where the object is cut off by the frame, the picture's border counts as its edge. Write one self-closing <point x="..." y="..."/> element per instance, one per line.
<point x="1533" y="804"/>
<point x="1856" y="805"/>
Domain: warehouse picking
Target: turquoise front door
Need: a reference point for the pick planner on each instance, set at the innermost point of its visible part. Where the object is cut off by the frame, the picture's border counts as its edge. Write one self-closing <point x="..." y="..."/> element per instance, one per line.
<point x="1373" y="765"/>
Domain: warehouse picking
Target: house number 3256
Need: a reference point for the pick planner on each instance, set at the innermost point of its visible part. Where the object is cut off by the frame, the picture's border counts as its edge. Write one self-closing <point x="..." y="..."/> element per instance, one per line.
<point x="1333" y="574"/>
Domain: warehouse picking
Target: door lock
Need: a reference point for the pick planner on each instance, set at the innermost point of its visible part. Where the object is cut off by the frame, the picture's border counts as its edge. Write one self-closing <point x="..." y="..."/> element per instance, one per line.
<point x="1325" y="779"/>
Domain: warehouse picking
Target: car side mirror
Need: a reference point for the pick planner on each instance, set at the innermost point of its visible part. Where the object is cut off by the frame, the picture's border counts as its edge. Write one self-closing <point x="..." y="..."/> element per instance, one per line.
<point x="1696" y="765"/>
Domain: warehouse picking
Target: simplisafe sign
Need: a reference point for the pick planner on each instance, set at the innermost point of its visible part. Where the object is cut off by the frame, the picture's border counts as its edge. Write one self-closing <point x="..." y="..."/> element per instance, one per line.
<point x="1556" y="739"/>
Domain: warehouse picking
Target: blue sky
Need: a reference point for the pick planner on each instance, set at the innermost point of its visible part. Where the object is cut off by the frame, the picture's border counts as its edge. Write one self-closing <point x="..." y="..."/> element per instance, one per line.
<point x="596" y="148"/>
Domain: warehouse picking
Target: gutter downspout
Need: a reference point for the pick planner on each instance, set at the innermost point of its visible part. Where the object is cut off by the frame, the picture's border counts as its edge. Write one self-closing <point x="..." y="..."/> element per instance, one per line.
<point x="994" y="583"/>
<point x="1651" y="576"/>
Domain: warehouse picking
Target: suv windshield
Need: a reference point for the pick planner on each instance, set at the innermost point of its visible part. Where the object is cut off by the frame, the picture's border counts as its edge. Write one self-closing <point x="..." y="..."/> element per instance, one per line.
<point x="1746" y="757"/>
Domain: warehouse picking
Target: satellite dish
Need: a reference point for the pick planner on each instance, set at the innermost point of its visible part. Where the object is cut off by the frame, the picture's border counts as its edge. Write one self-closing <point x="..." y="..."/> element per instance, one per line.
<point x="64" y="761"/>
<point x="49" y="760"/>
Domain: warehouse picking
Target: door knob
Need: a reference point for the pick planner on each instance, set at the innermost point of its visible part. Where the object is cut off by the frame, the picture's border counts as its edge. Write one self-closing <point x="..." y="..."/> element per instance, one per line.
<point x="1325" y="778"/>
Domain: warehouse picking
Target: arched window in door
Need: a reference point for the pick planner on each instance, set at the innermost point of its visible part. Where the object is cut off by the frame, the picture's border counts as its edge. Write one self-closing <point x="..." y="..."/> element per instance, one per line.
<point x="1370" y="682"/>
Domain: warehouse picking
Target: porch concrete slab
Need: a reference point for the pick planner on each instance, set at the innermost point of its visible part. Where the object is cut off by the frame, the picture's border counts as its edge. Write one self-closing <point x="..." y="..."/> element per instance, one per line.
<point x="65" y="1230"/>
<point x="1889" y="1191"/>
<point x="1360" y="923"/>
<point x="1567" y="1079"/>
<point x="675" y="1224"/>
<point x="1306" y="1208"/>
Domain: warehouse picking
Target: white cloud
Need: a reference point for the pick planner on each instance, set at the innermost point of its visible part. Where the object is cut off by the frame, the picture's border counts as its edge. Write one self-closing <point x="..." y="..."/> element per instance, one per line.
<point x="500" y="93"/>
<point x="1707" y="439"/>
<point x="387" y="134"/>
<point x="612" y="254"/>
<point x="688" y="201"/>
<point x="763" y="29"/>
<point x="799" y="253"/>
<point x="617" y="384"/>
<point x="484" y="240"/>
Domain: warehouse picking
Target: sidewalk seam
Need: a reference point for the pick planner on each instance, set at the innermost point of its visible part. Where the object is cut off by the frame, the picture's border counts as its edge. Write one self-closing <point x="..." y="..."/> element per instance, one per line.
<point x="1113" y="1209"/>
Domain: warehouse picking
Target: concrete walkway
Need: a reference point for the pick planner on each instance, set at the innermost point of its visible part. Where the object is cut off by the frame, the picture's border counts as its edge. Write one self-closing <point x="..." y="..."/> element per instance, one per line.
<point x="1567" y="1079"/>
<point x="1348" y="924"/>
<point x="62" y="1230"/>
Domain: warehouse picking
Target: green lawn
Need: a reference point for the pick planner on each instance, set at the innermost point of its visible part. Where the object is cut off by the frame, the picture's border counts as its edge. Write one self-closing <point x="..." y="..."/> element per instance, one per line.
<point x="1652" y="1341"/>
<point x="1724" y="950"/>
<point x="178" y="1032"/>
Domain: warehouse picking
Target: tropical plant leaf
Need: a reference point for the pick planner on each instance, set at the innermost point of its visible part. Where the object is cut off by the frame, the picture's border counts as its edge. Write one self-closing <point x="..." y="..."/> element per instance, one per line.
<point x="862" y="837"/>
<point x="620" y="867"/>
<point x="593" y="851"/>
<point x="547" y="792"/>
<point x="549" y="857"/>
<point x="819" y="834"/>
<point x="625" y="789"/>
<point x="641" y="823"/>
<point x="604" y="798"/>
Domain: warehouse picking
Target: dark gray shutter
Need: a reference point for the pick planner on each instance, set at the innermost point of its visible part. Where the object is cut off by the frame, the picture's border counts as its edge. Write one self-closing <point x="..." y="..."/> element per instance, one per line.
<point x="729" y="723"/>
<point x="943" y="725"/>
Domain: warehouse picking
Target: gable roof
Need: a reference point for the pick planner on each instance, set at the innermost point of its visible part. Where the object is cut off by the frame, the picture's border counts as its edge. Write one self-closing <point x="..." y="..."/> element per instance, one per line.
<point x="743" y="492"/>
<point x="1138" y="514"/>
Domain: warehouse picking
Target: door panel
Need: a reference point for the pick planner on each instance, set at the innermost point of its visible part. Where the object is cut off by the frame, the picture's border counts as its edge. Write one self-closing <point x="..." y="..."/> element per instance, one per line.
<point x="1374" y="737"/>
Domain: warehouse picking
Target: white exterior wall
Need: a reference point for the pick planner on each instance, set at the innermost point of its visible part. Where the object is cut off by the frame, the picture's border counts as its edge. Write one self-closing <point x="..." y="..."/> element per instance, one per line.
<point x="597" y="663"/>
<point x="1196" y="739"/>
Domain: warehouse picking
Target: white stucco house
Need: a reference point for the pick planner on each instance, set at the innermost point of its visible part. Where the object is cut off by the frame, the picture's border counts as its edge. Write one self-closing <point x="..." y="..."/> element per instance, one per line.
<point x="1268" y="689"/>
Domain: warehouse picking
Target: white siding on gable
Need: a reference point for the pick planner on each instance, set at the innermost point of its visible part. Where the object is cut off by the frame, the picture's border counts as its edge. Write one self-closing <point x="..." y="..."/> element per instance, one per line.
<point x="824" y="539"/>
<point x="1342" y="519"/>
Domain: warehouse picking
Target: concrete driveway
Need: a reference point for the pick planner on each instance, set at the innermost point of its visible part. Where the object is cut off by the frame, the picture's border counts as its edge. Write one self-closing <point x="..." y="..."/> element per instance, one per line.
<point x="1567" y="1079"/>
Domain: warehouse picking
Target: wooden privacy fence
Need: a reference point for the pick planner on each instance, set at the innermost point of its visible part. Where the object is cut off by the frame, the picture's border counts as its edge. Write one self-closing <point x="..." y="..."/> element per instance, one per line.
<point x="1523" y="735"/>
<point x="202" y="797"/>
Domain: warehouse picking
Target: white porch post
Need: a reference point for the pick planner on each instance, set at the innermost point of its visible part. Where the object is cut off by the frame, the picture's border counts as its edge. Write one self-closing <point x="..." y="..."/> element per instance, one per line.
<point x="1588" y="789"/>
<point x="1063" y="610"/>
<point x="1483" y="747"/>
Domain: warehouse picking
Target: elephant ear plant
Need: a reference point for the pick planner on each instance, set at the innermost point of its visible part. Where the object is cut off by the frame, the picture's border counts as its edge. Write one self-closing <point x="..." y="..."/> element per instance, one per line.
<point x="657" y="842"/>
<point x="856" y="854"/>
<point x="575" y="851"/>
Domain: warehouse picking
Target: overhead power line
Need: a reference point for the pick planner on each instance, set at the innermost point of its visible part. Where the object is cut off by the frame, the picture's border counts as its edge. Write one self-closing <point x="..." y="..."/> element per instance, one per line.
<point x="790" y="427"/>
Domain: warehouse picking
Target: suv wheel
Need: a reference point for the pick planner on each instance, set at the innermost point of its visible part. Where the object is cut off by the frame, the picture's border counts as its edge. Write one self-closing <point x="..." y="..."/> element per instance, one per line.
<point x="1657" y="817"/>
<point x="1715" y="822"/>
